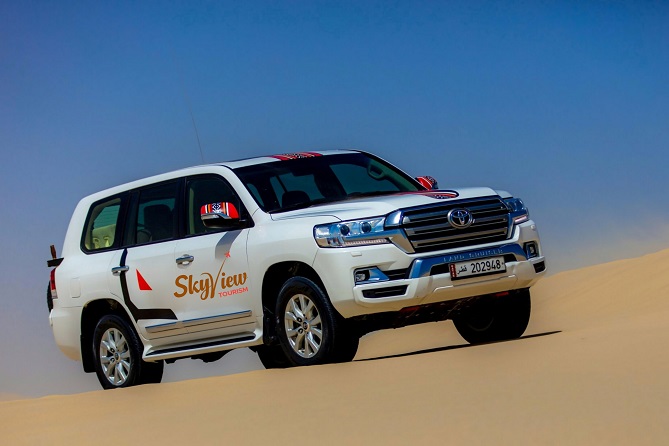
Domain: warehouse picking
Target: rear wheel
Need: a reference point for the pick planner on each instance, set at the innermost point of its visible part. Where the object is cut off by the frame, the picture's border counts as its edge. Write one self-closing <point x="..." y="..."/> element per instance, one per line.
<point x="495" y="319"/>
<point x="118" y="355"/>
<point x="309" y="329"/>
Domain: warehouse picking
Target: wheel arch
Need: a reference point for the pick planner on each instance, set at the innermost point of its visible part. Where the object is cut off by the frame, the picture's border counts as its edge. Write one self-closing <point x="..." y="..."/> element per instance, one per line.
<point x="274" y="278"/>
<point x="90" y="316"/>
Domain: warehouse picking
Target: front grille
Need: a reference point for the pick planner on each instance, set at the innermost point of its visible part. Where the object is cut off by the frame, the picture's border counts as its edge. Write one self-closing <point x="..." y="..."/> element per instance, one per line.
<point x="428" y="229"/>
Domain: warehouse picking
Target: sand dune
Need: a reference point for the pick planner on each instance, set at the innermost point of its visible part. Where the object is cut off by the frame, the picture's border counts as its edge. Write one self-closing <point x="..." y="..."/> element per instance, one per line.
<point x="10" y="396"/>
<point x="592" y="369"/>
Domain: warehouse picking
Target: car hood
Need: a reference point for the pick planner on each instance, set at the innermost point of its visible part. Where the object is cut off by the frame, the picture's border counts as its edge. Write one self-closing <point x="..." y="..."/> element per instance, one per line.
<point x="382" y="205"/>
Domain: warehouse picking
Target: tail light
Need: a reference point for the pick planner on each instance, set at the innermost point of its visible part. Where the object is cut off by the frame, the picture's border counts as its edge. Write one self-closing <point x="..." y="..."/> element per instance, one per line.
<point x="53" y="262"/>
<point x="52" y="284"/>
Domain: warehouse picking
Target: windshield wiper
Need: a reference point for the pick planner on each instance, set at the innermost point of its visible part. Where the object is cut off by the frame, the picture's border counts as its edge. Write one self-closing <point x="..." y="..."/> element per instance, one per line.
<point x="377" y="193"/>
<point x="319" y="201"/>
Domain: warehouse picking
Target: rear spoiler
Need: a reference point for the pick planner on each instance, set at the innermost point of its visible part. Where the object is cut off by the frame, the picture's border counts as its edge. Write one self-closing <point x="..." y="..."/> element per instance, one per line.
<point x="54" y="261"/>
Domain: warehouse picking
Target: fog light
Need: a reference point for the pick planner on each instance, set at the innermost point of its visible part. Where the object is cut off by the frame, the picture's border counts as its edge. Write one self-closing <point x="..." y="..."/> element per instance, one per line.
<point x="531" y="250"/>
<point x="369" y="275"/>
<point x="361" y="276"/>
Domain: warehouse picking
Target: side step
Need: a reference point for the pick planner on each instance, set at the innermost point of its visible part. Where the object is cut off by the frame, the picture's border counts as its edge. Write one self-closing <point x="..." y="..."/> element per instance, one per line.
<point x="199" y="349"/>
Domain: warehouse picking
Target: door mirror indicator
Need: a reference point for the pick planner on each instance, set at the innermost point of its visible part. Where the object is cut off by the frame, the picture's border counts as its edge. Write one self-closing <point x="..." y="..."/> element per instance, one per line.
<point x="219" y="215"/>
<point x="428" y="182"/>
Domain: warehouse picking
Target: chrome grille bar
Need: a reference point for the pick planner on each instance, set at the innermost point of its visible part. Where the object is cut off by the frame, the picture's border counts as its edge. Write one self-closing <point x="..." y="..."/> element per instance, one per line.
<point x="427" y="227"/>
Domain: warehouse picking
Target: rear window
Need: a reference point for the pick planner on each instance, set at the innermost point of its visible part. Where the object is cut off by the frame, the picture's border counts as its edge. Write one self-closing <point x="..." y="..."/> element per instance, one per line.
<point x="101" y="226"/>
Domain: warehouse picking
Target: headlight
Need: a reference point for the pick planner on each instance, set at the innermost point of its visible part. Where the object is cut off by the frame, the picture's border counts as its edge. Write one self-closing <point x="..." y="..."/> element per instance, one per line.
<point x="519" y="212"/>
<point x="368" y="231"/>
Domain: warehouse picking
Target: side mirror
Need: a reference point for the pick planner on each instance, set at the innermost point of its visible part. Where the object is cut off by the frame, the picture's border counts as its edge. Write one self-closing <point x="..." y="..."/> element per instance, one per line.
<point x="428" y="182"/>
<point x="219" y="215"/>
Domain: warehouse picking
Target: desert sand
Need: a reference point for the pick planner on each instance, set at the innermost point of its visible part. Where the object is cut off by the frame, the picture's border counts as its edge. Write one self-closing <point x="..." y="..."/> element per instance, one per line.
<point x="592" y="368"/>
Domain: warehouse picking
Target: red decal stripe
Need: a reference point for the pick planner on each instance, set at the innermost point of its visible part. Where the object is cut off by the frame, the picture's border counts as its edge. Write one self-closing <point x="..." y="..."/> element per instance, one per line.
<point x="292" y="156"/>
<point x="231" y="210"/>
<point x="143" y="285"/>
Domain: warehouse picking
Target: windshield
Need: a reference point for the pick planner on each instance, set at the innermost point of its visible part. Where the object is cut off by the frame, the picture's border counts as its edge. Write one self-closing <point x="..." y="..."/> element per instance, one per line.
<point x="303" y="182"/>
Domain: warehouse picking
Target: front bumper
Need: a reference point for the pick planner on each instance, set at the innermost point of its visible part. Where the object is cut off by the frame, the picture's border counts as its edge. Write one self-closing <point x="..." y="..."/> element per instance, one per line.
<point x="424" y="279"/>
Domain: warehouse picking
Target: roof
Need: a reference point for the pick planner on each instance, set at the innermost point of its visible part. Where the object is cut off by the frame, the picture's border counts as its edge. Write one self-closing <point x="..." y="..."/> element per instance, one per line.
<point x="281" y="157"/>
<point x="229" y="164"/>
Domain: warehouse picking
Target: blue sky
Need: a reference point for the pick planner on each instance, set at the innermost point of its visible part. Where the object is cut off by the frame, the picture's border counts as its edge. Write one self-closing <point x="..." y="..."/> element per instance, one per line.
<point x="562" y="103"/>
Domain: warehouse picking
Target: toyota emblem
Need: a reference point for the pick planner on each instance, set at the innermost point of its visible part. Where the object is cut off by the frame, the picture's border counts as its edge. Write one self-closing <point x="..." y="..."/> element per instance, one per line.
<point x="460" y="218"/>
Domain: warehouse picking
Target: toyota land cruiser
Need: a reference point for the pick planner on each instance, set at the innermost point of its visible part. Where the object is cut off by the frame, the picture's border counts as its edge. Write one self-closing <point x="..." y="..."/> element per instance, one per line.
<point x="295" y="256"/>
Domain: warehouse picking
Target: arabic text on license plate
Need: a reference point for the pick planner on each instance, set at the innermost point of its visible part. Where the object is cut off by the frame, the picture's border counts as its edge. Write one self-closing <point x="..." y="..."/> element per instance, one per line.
<point x="479" y="267"/>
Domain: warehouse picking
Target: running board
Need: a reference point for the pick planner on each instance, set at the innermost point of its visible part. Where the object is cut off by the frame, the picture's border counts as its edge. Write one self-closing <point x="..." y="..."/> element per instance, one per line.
<point x="160" y="328"/>
<point x="198" y="349"/>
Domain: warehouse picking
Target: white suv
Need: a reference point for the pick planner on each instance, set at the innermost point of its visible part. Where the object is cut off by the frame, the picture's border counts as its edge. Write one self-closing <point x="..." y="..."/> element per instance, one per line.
<point x="295" y="256"/>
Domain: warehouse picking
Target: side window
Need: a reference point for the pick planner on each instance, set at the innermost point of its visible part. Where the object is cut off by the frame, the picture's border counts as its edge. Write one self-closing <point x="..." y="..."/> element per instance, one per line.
<point x="100" y="230"/>
<point x="206" y="190"/>
<point x="156" y="218"/>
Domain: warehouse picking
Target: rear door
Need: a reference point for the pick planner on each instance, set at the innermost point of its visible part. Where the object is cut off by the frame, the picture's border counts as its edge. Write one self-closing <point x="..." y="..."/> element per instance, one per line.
<point x="180" y="281"/>
<point x="145" y="268"/>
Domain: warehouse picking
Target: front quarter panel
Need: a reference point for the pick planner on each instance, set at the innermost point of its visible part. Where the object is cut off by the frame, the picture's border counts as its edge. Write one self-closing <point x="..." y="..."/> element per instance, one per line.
<point x="276" y="241"/>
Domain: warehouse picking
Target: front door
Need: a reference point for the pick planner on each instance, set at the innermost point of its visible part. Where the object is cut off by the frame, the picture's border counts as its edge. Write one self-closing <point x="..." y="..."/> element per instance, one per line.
<point x="213" y="273"/>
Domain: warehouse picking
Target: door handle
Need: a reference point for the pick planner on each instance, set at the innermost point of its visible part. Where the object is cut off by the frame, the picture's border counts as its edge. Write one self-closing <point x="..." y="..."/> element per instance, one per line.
<point x="185" y="259"/>
<point x="117" y="270"/>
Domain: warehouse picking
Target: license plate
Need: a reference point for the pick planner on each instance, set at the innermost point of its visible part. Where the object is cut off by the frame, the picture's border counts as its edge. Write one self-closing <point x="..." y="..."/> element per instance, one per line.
<point x="479" y="267"/>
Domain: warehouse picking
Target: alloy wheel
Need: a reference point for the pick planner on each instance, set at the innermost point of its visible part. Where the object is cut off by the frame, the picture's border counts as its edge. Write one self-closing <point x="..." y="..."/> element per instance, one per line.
<point x="115" y="356"/>
<point x="303" y="326"/>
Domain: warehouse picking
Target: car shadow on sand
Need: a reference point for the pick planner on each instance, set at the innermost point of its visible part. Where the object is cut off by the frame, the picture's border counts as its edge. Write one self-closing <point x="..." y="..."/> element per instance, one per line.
<point x="455" y="347"/>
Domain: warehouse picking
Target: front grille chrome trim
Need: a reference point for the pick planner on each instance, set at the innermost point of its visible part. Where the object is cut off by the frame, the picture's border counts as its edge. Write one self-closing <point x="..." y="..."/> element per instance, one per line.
<point x="427" y="228"/>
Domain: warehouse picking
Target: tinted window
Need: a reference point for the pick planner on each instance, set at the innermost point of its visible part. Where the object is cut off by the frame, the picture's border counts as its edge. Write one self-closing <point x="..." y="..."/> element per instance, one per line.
<point x="156" y="218"/>
<point x="364" y="180"/>
<point x="206" y="190"/>
<point x="101" y="226"/>
<point x="302" y="182"/>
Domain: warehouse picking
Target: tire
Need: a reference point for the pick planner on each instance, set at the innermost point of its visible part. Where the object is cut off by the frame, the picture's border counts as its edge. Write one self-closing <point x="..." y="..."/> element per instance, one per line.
<point x="272" y="357"/>
<point x="310" y="330"/>
<point x="495" y="319"/>
<point x="347" y="349"/>
<point x="118" y="355"/>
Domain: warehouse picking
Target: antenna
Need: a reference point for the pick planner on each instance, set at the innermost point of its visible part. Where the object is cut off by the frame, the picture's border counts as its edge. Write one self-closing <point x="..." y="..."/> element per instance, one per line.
<point x="188" y="103"/>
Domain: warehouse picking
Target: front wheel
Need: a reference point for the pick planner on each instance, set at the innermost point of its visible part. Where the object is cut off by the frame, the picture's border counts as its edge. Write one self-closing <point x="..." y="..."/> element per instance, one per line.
<point x="272" y="357"/>
<point x="495" y="319"/>
<point x="118" y="355"/>
<point x="309" y="329"/>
